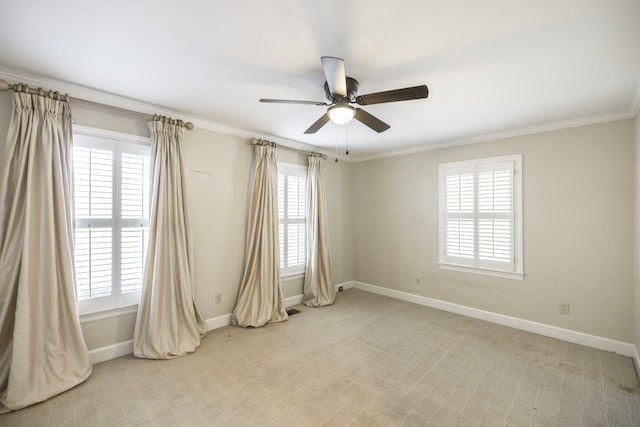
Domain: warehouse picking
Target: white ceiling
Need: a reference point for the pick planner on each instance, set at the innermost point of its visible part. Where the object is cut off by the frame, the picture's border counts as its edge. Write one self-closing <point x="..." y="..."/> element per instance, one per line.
<point x="493" y="67"/>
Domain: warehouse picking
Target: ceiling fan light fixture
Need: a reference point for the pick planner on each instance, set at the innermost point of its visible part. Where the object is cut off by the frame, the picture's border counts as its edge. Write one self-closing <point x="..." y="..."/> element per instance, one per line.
<point x="341" y="114"/>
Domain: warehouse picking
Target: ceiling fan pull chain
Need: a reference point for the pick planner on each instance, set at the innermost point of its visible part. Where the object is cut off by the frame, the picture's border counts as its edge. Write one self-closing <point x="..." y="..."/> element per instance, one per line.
<point x="347" y="134"/>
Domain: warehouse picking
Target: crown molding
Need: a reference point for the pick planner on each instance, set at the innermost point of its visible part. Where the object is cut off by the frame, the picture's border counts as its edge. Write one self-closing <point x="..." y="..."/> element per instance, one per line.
<point x="109" y="99"/>
<point x="112" y="100"/>
<point x="88" y="94"/>
<point x="566" y="124"/>
<point x="633" y="111"/>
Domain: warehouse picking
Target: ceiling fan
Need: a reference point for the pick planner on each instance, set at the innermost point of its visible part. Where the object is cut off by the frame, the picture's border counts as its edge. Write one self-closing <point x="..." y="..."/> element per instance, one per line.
<point x="341" y="91"/>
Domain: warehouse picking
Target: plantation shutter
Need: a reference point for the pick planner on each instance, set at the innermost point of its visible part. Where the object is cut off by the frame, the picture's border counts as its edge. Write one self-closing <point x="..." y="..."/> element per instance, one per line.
<point x="281" y="217"/>
<point x="291" y="216"/>
<point x="111" y="185"/>
<point x="134" y="196"/>
<point x="495" y="216"/>
<point x="478" y="218"/>
<point x="296" y="252"/>
<point x="460" y="215"/>
<point x="94" y="199"/>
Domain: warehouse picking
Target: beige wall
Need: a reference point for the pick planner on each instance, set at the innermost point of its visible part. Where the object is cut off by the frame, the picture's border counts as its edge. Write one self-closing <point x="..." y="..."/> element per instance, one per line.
<point x="578" y="220"/>
<point x="218" y="174"/>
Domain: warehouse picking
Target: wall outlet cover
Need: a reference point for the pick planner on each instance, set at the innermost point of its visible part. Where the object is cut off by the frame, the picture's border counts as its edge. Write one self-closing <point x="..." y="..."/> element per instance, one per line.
<point x="563" y="308"/>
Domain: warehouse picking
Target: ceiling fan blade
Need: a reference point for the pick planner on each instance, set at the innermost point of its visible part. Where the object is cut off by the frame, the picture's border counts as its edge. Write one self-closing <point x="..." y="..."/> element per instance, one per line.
<point x="372" y="121"/>
<point x="335" y="74"/>
<point x="292" y="101"/>
<point x="406" y="94"/>
<point x="318" y="124"/>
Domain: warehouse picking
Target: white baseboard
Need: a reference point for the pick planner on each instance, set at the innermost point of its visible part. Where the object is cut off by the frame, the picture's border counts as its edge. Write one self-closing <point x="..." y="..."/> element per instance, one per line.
<point x="619" y="347"/>
<point x="345" y="285"/>
<point x="297" y="299"/>
<point x="225" y="319"/>
<point x="218" y="322"/>
<point x="109" y="352"/>
<point x="294" y="300"/>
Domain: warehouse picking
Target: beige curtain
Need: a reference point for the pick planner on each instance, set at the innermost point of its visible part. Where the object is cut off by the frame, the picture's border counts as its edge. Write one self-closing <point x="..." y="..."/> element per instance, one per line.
<point x="319" y="289"/>
<point x="42" y="351"/>
<point x="168" y="323"/>
<point x="260" y="298"/>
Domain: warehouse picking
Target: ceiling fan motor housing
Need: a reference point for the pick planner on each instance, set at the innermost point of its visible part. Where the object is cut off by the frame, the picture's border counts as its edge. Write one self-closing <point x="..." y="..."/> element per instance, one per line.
<point x="352" y="92"/>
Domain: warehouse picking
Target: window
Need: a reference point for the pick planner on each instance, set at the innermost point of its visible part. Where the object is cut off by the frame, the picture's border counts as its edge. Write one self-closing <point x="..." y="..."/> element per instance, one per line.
<point x="292" y="189"/>
<point x="111" y="189"/>
<point x="480" y="216"/>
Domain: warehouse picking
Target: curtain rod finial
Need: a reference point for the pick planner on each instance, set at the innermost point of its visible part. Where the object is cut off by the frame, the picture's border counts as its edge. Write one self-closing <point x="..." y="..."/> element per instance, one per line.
<point x="4" y="85"/>
<point x="189" y="126"/>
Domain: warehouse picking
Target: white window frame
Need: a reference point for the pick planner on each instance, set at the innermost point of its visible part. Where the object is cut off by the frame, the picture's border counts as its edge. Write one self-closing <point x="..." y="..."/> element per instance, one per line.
<point x="473" y="264"/>
<point x="117" y="303"/>
<point x="290" y="272"/>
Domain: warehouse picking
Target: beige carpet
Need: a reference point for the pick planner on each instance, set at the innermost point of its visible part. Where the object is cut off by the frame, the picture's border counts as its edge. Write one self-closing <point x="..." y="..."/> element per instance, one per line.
<point x="368" y="360"/>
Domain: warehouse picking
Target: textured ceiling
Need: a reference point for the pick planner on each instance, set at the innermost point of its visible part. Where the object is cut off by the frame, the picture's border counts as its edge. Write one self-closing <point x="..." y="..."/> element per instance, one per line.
<point x="493" y="68"/>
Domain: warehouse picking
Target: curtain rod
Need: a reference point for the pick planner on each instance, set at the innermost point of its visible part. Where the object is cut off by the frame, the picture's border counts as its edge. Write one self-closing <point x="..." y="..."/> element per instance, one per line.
<point x="17" y="87"/>
<point x="256" y="141"/>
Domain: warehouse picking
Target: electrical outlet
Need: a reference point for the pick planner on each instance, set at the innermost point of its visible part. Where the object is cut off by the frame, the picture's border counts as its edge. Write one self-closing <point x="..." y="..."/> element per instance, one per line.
<point x="218" y="298"/>
<point x="340" y="289"/>
<point x="563" y="308"/>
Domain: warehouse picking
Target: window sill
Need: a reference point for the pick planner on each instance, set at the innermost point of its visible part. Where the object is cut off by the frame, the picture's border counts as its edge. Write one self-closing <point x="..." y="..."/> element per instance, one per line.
<point x="107" y="313"/>
<point x="494" y="273"/>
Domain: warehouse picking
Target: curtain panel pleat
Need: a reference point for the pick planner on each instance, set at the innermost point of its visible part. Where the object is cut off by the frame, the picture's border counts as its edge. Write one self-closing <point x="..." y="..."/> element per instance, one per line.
<point x="168" y="323"/>
<point x="42" y="350"/>
<point x="260" y="299"/>
<point x="319" y="289"/>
